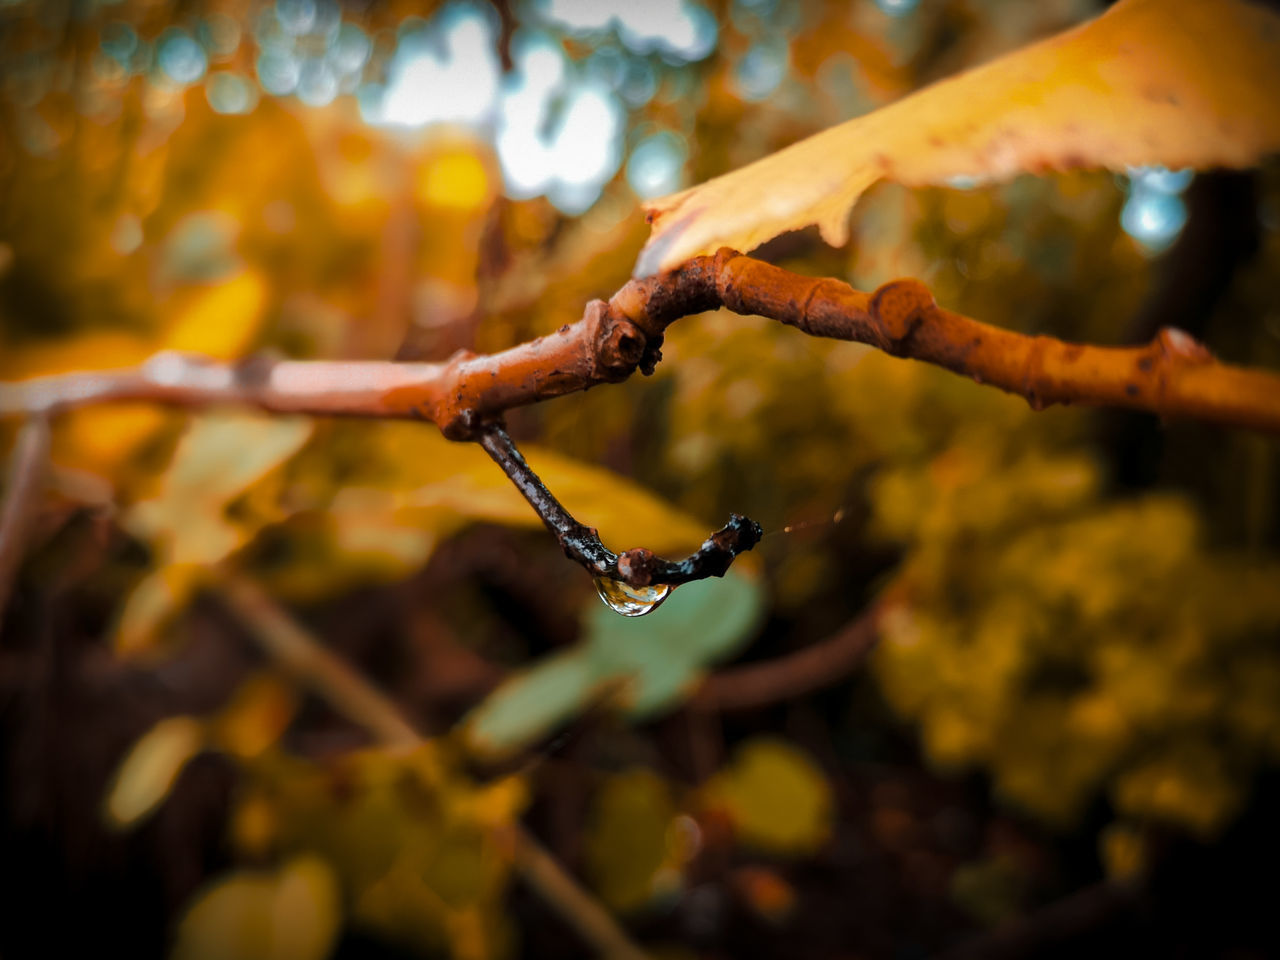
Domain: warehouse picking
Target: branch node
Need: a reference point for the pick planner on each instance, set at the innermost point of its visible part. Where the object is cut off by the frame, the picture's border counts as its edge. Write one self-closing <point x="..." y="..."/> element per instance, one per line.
<point x="1180" y="347"/>
<point x="618" y="345"/>
<point x="726" y="289"/>
<point x="897" y="307"/>
<point x="637" y="567"/>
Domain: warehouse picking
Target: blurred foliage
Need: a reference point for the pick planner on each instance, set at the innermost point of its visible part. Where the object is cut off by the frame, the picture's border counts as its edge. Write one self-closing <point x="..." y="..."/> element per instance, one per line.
<point x="642" y="665"/>
<point x="1096" y="638"/>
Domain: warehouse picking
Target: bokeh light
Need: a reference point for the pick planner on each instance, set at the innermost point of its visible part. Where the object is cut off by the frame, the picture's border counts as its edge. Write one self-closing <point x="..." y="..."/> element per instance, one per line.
<point x="1155" y="212"/>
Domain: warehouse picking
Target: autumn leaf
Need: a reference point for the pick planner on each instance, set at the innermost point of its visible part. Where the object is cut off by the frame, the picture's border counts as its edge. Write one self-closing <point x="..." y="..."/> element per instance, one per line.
<point x="1178" y="83"/>
<point x="151" y="768"/>
<point x="776" y="797"/>
<point x="220" y="457"/>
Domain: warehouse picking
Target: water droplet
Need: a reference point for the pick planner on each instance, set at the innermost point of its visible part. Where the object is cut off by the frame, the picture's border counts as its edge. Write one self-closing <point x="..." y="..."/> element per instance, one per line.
<point x="628" y="600"/>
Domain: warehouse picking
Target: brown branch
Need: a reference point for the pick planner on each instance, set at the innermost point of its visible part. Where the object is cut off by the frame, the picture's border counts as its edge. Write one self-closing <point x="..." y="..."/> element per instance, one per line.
<point x="285" y="640"/>
<point x="1173" y="376"/>
<point x="638" y="567"/>
<point x="28" y="466"/>
<point x="794" y="675"/>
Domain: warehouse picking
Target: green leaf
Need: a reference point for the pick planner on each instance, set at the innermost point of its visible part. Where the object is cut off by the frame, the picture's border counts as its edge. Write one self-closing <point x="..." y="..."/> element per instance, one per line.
<point x="654" y="660"/>
<point x="662" y="654"/>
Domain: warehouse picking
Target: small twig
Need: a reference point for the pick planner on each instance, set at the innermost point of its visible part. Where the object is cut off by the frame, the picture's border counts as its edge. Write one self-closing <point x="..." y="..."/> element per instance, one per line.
<point x="638" y="567"/>
<point x="28" y="467"/>
<point x="301" y="654"/>
<point x="786" y="678"/>
<point x="593" y="923"/>
<point x="288" y="643"/>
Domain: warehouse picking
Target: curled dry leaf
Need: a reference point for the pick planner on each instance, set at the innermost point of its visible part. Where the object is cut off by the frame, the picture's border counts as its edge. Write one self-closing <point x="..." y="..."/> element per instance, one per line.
<point x="1179" y="83"/>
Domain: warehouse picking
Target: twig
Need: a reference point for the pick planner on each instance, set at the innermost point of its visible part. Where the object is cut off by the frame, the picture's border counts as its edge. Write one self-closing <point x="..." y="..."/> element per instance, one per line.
<point x="1173" y="375"/>
<point x="288" y="643"/>
<point x="638" y="567"/>
<point x="28" y="466"/>
<point x="593" y="923"/>
<point x="786" y="678"/>
<point x="302" y="655"/>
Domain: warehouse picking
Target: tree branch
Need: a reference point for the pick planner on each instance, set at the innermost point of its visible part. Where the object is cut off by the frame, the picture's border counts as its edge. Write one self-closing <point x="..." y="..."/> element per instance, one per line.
<point x="1173" y="375"/>
<point x="786" y="678"/>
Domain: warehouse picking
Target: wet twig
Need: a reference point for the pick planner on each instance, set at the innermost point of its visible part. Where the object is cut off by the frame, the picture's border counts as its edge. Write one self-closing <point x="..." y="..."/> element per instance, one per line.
<point x="637" y="567"/>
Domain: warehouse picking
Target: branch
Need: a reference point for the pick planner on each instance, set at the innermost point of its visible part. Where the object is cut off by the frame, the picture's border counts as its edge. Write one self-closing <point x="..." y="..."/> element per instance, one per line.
<point x="1173" y="375"/>
<point x="820" y="665"/>
<point x="285" y="640"/>
<point x="637" y="567"/>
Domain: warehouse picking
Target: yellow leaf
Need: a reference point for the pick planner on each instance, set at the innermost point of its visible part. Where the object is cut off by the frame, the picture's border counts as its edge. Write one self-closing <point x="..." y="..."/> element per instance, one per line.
<point x="156" y="598"/>
<point x="626" y="841"/>
<point x="149" y="770"/>
<point x="456" y="180"/>
<point x="291" y="914"/>
<point x="219" y="319"/>
<point x="219" y="457"/>
<point x="1180" y="83"/>
<point x="776" y="797"/>
<point x="256" y="717"/>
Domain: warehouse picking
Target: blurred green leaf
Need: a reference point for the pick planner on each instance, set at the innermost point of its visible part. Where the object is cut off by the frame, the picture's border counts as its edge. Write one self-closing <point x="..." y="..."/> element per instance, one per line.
<point x="653" y="660"/>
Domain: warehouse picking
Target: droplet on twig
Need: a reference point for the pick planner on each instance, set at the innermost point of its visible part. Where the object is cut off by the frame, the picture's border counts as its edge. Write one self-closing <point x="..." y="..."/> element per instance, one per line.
<point x="628" y="600"/>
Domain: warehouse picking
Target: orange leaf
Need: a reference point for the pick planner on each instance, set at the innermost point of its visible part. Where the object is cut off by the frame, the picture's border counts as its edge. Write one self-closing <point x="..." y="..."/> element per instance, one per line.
<point x="1178" y="83"/>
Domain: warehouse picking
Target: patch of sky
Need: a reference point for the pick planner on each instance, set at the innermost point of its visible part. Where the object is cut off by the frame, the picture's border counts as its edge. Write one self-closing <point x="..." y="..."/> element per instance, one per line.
<point x="230" y="93"/>
<point x="179" y="57"/>
<point x="656" y="165"/>
<point x="762" y="69"/>
<point x="1155" y="212"/>
<point x="444" y="71"/>
<point x="898" y="8"/>
<point x="679" y="29"/>
<point x="278" y="72"/>
<point x="558" y="132"/>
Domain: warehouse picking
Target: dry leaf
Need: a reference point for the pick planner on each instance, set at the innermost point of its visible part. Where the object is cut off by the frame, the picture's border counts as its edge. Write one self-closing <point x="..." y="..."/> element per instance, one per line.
<point x="1178" y="83"/>
<point x="776" y="797"/>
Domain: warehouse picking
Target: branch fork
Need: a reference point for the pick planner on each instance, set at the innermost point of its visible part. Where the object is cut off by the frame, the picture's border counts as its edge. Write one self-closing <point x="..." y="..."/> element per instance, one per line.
<point x="1172" y="376"/>
<point x="638" y="567"/>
